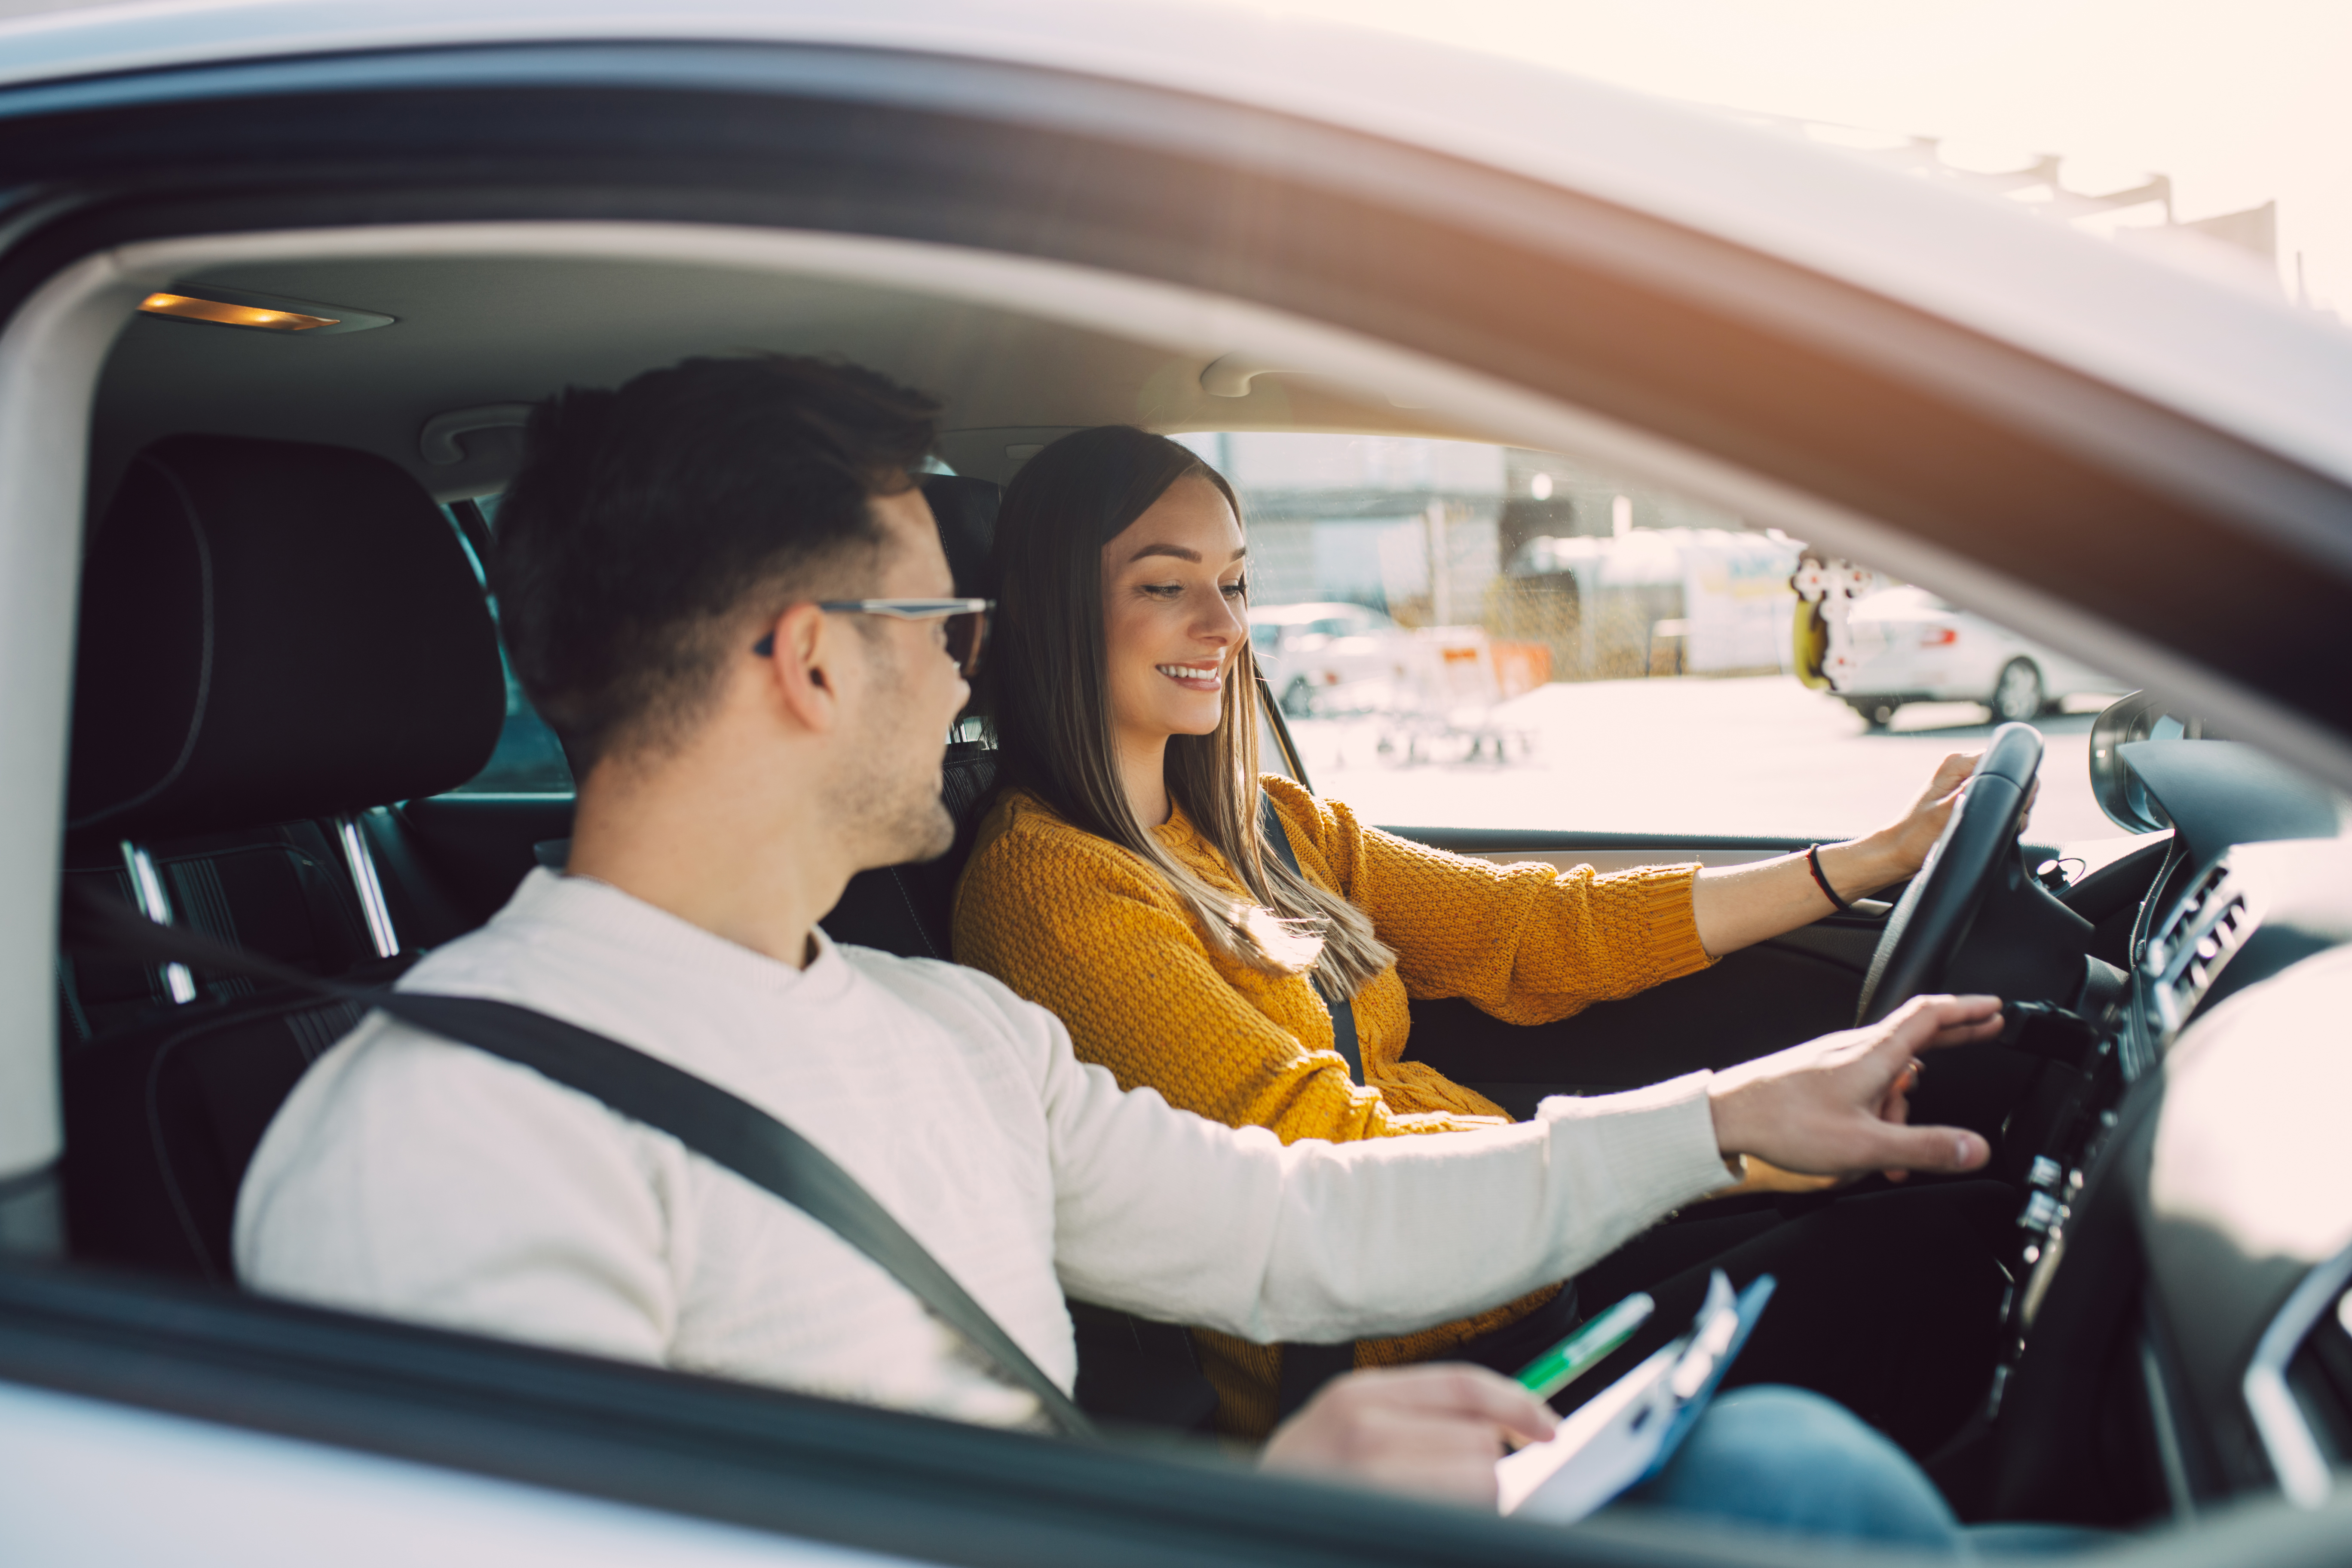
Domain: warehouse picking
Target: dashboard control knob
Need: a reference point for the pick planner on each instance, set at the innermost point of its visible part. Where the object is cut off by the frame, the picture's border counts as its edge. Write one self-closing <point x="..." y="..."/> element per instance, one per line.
<point x="2045" y="1173"/>
<point x="2041" y="1213"/>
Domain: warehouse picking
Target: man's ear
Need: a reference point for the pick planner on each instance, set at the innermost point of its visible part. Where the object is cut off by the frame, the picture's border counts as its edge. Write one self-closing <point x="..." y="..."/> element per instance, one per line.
<point x="805" y="665"/>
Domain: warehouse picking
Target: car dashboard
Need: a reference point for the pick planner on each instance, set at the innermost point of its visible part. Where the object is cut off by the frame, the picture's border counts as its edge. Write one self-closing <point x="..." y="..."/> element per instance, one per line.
<point x="2179" y="1330"/>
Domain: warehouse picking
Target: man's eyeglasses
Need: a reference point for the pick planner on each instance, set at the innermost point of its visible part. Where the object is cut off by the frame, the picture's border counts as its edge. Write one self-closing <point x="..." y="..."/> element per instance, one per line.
<point x="967" y="623"/>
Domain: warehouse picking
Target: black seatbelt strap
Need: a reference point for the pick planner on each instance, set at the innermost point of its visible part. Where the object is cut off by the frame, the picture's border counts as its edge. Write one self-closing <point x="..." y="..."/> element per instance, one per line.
<point x="1306" y="1368"/>
<point x="1343" y="1012"/>
<point x="721" y="1127"/>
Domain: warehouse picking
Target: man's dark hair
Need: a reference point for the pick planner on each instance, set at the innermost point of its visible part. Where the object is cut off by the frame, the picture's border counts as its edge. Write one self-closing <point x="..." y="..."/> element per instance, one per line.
<point x="652" y="526"/>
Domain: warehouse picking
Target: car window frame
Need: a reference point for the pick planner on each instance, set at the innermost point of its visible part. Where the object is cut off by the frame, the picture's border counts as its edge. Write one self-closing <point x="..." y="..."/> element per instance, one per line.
<point x="136" y="1330"/>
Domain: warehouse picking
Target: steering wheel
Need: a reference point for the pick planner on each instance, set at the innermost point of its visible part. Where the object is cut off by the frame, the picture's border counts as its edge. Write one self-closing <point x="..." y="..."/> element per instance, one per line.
<point x="1937" y="910"/>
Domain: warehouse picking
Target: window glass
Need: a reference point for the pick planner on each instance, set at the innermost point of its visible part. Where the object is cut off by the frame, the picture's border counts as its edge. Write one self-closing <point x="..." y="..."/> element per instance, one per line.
<point x="528" y="759"/>
<point x="1488" y="637"/>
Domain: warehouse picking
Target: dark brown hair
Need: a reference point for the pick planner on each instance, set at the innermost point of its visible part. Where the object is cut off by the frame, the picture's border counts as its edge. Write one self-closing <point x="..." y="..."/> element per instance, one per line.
<point x="649" y="524"/>
<point x="1049" y="699"/>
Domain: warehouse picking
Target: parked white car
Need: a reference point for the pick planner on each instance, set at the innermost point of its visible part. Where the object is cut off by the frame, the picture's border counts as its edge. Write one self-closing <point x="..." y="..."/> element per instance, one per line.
<point x="1311" y="653"/>
<point x="1911" y="647"/>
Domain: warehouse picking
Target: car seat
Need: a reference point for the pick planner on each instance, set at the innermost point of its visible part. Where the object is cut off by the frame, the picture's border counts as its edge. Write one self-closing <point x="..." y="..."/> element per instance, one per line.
<point x="275" y="638"/>
<point x="965" y="511"/>
<point x="325" y="650"/>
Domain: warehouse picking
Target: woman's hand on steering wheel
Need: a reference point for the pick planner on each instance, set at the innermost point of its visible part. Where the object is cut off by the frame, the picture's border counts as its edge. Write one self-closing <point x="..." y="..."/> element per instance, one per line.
<point x="1734" y="906"/>
<point x="1907" y="840"/>
<point x="1896" y="852"/>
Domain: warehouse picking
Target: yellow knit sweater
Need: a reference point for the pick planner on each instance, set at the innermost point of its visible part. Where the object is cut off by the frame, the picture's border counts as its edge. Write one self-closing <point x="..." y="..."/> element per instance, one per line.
<point x="1094" y="936"/>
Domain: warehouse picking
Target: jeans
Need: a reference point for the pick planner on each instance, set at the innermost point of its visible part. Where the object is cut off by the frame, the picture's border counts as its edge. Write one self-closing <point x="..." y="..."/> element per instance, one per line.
<point x="1787" y="1460"/>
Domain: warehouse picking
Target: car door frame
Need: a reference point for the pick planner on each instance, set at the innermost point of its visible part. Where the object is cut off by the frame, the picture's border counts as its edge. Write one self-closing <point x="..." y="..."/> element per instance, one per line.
<point x="242" y="136"/>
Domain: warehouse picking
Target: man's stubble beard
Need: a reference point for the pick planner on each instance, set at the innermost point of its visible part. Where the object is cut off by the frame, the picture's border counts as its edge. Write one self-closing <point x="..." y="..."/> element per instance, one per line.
<point x="886" y="798"/>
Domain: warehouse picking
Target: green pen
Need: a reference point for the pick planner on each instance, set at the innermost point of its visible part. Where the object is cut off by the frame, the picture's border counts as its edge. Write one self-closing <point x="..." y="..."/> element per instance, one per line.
<point x="1575" y="1355"/>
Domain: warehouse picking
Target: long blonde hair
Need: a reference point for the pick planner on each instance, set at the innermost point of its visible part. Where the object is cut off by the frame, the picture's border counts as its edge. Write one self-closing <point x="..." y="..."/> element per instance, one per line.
<point x="1048" y="698"/>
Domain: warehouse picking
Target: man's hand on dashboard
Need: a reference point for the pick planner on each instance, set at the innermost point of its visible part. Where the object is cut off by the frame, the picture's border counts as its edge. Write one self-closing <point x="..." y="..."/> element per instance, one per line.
<point x="1434" y="1429"/>
<point x="1835" y="1106"/>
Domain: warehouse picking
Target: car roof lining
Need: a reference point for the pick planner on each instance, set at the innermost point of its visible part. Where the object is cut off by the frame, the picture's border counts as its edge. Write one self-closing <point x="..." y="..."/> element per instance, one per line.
<point x="475" y="330"/>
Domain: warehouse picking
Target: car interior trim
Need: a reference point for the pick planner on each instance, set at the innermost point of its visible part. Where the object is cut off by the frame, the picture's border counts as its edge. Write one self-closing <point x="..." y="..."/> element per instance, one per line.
<point x="51" y="355"/>
<point x="2167" y="1429"/>
<point x="152" y="903"/>
<point x="770" y="1459"/>
<point x="361" y="861"/>
<point x="437" y="442"/>
<point x="2303" y="1470"/>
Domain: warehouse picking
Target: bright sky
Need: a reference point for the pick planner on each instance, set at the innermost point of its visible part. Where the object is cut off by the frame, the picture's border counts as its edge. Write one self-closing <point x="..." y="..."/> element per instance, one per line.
<point x="2240" y="102"/>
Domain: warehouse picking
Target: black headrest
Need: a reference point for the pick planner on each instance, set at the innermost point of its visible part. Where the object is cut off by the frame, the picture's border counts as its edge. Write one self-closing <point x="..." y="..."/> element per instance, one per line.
<point x="966" y="510"/>
<point x="272" y="630"/>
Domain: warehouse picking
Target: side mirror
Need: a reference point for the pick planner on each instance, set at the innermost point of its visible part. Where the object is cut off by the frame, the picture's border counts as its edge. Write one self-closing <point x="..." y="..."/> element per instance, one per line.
<point x="2119" y="791"/>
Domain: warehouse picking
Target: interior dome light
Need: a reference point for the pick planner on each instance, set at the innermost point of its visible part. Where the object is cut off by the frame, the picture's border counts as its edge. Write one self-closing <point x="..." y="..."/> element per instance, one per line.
<point x="188" y="308"/>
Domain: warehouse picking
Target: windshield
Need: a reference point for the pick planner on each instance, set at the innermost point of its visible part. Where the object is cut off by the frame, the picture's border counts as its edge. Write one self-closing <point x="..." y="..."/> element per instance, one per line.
<point x="1476" y="635"/>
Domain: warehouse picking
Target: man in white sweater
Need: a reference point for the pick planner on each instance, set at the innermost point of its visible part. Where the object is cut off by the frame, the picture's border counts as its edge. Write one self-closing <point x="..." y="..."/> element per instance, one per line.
<point x="745" y="745"/>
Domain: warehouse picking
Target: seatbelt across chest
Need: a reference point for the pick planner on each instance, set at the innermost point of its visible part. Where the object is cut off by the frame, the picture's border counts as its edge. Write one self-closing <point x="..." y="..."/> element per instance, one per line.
<point x="1306" y="1368"/>
<point x="724" y="1128"/>
<point x="1343" y="1012"/>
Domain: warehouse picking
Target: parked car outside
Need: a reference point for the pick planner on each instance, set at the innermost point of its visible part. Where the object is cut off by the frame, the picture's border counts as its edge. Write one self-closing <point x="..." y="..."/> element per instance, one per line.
<point x="1911" y="647"/>
<point x="1323" y="657"/>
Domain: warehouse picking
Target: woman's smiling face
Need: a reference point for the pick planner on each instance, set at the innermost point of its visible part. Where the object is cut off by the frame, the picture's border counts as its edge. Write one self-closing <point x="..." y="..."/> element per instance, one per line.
<point x="1175" y="615"/>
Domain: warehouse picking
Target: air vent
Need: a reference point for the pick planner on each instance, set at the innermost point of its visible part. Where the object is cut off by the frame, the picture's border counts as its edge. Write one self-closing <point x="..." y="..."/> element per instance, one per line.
<point x="2188" y="954"/>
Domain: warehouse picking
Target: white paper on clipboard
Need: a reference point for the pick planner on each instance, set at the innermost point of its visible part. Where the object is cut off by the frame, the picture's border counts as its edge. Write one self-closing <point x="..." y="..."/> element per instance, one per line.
<point x="1597" y="1452"/>
<point x="1620" y="1435"/>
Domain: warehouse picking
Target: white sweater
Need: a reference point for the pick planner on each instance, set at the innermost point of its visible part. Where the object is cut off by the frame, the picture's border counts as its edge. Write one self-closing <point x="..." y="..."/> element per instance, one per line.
<point x="413" y="1177"/>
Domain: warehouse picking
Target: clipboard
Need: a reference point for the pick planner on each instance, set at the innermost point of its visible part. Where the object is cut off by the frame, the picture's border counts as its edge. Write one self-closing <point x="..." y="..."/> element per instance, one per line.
<point x="1630" y="1430"/>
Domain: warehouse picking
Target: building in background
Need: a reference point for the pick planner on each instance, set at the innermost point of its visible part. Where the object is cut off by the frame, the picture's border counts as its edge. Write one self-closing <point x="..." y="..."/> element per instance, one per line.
<point x="1608" y="577"/>
<point x="1401" y="525"/>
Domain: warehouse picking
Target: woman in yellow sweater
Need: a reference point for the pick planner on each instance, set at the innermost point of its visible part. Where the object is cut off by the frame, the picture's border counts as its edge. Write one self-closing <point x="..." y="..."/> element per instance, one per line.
<point x="1124" y="881"/>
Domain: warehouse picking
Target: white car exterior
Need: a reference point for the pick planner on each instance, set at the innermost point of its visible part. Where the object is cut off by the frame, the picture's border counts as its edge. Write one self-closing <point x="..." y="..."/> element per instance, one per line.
<point x="1911" y="647"/>
<point x="1310" y="654"/>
